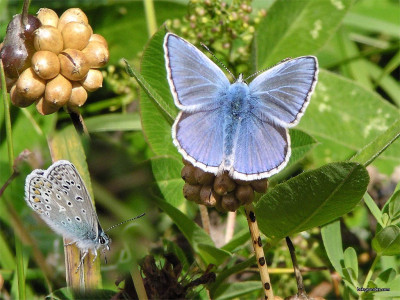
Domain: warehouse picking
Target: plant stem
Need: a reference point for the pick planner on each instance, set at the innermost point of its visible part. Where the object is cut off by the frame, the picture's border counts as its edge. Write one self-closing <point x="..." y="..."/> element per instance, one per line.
<point x="150" y="17"/>
<point x="259" y="251"/>
<point x="300" y="285"/>
<point x="230" y="226"/>
<point x="138" y="282"/>
<point x="371" y="270"/>
<point x="205" y="220"/>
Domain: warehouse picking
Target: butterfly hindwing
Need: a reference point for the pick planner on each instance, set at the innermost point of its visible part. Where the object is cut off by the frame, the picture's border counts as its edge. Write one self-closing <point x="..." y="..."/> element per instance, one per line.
<point x="196" y="82"/>
<point x="282" y="93"/>
<point x="199" y="138"/>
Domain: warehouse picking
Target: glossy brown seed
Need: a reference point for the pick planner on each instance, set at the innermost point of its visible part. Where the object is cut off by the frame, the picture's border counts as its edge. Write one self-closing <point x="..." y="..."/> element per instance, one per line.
<point x="191" y="192"/>
<point x="98" y="38"/>
<point x="46" y="64"/>
<point x="203" y="178"/>
<point x="48" y="17"/>
<point x="97" y="54"/>
<point x="260" y="186"/>
<point x="230" y="202"/>
<point x="74" y="64"/>
<point x="76" y="35"/>
<point x="72" y="15"/>
<point x="245" y="194"/>
<point x="187" y="174"/>
<point x="30" y="85"/>
<point x="58" y="91"/>
<point x="78" y="95"/>
<point x="93" y="80"/>
<point x="223" y="184"/>
<point x="19" y="100"/>
<point x="208" y="196"/>
<point x="46" y="108"/>
<point x="242" y="182"/>
<point x="48" y="38"/>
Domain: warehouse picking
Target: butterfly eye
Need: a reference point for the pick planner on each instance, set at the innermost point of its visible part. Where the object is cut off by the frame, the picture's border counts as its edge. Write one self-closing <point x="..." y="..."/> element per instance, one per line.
<point x="102" y="240"/>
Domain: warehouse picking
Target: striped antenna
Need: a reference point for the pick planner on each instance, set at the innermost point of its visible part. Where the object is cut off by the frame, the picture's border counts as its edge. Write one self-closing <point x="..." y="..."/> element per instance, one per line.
<point x="220" y="62"/>
<point x="126" y="221"/>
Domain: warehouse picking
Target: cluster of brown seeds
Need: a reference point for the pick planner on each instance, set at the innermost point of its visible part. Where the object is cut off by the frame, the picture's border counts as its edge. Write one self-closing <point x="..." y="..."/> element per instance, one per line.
<point x="63" y="67"/>
<point x="221" y="192"/>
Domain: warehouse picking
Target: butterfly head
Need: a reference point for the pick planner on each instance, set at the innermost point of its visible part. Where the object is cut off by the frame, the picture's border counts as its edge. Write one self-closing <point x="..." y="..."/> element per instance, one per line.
<point x="104" y="240"/>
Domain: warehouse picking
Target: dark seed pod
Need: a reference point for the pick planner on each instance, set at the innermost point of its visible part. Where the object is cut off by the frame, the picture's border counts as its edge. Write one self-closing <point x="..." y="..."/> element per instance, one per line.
<point x="203" y="178"/>
<point x="242" y="182"/>
<point x="260" y="186"/>
<point x="185" y="162"/>
<point x="208" y="196"/>
<point x="187" y="174"/>
<point x="245" y="194"/>
<point x="192" y="192"/>
<point x="230" y="202"/>
<point x="223" y="184"/>
<point x="45" y="107"/>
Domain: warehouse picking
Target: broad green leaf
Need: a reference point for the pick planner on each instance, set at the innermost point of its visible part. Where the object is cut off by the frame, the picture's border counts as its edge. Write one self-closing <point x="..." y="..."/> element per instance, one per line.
<point x="311" y="199"/>
<point x="167" y="172"/>
<point x="237" y="289"/>
<point x="113" y="122"/>
<point x="394" y="207"/>
<point x="295" y="28"/>
<point x="344" y="118"/>
<point x="387" y="241"/>
<point x="373" y="208"/>
<point x="332" y="239"/>
<point x="371" y="151"/>
<point x="385" y="277"/>
<point x="156" y="127"/>
<point x="196" y="236"/>
<point x="351" y="262"/>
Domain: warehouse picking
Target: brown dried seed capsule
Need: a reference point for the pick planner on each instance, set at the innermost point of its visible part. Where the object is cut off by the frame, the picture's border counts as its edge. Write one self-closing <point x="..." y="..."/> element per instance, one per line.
<point x="97" y="54"/>
<point x="46" y="64"/>
<point x="46" y="108"/>
<point x="30" y="86"/>
<point x="58" y="91"/>
<point x="187" y="174"/>
<point x="230" y="202"/>
<point x="18" y="100"/>
<point x="78" y="95"/>
<point x="185" y="162"/>
<point x="98" y="38"/>
<point x="260" y="186"/>
<point x="192" y="192"/>
<point x="245" y="194"/>
<point x="203" y="178"/>
<point x="223" y="184"/>
<point x="208" y="197"/>
<point x="48" y="38"/>
<point x="93" y="80"/>
<point x="72" y="15"/>
<point x="242" y="182"/>
<point x="76" y="35"/>
<point x="74" y="64"/>
<point x="48" y="17"/>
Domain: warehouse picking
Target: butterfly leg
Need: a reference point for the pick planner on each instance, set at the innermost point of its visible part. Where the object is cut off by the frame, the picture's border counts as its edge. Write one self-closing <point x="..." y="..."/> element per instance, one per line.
<point x="82" y="259"/>
<point x="95" y="255"/>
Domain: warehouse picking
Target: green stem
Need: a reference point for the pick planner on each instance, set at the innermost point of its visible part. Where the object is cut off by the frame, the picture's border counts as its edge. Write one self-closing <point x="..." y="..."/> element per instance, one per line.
<point x="10" y="148"/>
<point x="371" y="271"/>
<point x="150" y="17"/>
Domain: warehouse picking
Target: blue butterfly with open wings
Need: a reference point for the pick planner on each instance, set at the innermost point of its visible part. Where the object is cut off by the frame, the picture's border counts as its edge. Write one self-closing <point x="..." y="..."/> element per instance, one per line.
<point x="240" y="128"/>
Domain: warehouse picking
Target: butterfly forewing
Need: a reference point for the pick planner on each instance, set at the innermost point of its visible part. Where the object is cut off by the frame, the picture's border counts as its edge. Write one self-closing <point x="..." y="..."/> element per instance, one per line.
<point x="195" y="81"/>
<point x="60" y="196"/>
<point x="282" y="93"/>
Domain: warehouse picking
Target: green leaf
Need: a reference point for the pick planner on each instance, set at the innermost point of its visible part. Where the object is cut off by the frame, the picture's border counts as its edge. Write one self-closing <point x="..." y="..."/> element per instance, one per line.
<point x="373" y="208"/>
<point x="237" y="289"/>
<point x="332" y="239"/>
<point x="156" y="126"/>
<point x="167" y="171"/>
<point x="351" y="262"/>
<point x="196" y="236"/>
<point x="311" y="199"/>
<point x="385" y="277"/>
<point x="394" y="208"/>
<point x="239" y="240"/>
<point x="295" y="28"/>
<point x="371" y="151"/>
<point x="113" y="122"/>
<point x="344" y="118"/>
<point x="387" y="241"/>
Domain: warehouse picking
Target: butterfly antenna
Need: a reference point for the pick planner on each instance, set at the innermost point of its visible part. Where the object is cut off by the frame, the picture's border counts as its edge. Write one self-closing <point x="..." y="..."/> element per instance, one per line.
<point x="220" y="62"/>
<point x="126" y="221"/>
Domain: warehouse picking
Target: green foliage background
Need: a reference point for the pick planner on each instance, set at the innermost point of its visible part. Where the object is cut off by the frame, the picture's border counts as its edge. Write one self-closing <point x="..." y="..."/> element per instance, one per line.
<point x="351" y="122"/>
